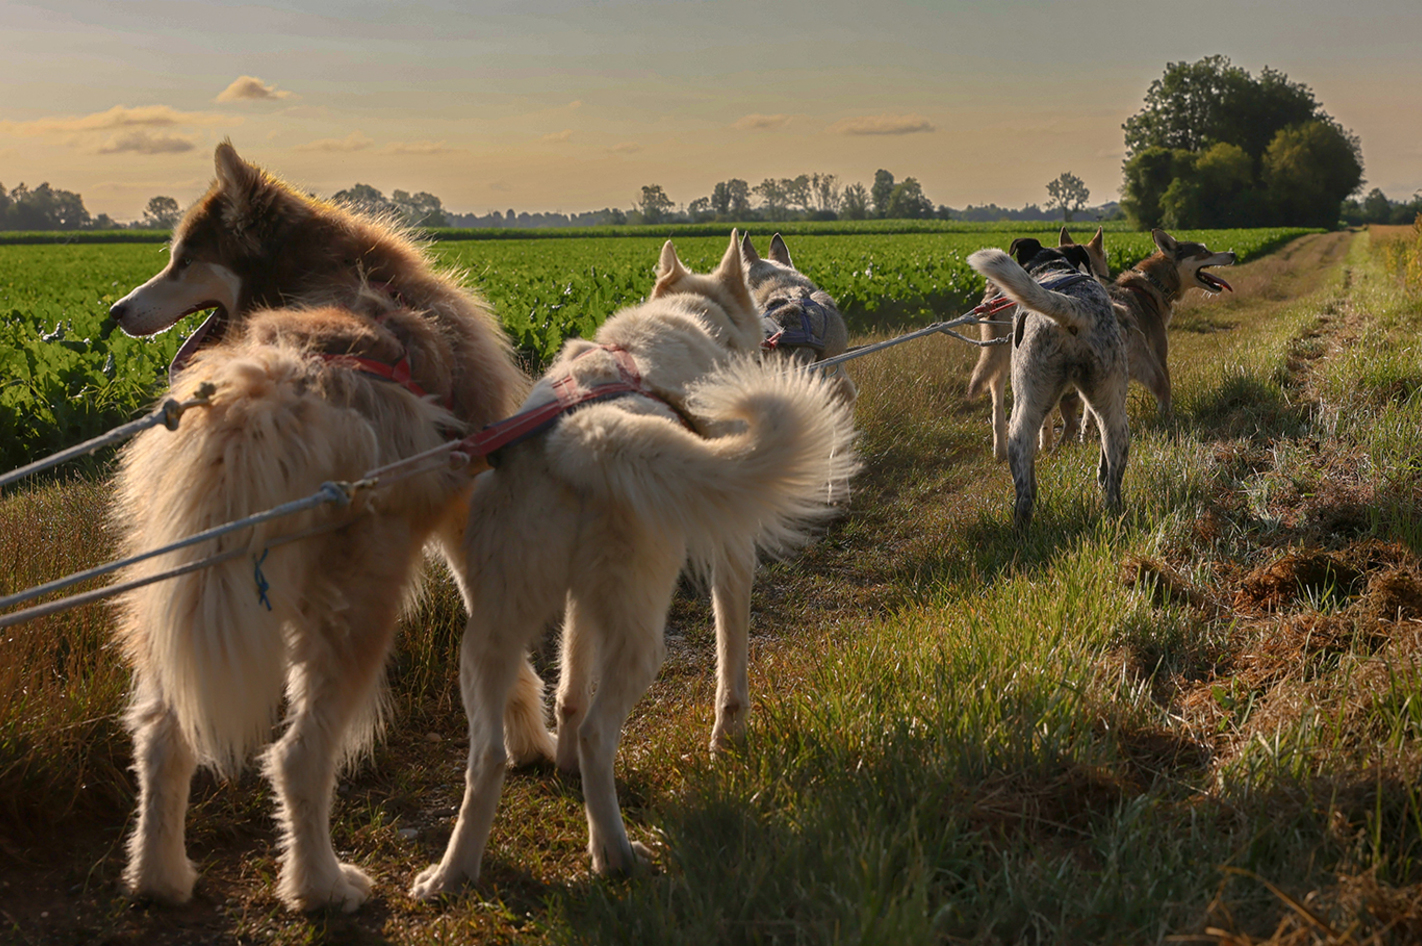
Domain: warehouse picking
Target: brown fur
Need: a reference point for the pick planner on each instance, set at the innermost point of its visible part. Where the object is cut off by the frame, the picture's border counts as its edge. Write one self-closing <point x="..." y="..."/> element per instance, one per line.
<point x="212" y="661"/>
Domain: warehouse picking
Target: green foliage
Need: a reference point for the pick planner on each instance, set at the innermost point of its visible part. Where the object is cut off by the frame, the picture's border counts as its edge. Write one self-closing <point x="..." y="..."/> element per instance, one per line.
<point x="68" y="374"/>
<point x="1067" y="193"/>
<point x="1217" y="147"/>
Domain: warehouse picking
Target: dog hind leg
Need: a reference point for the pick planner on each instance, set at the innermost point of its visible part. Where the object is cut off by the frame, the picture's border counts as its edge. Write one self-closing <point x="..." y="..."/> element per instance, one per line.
<point x="1028" y="413"/>
<point x="158" y="864"/>
<point x="732" y="578"/>
<point x="575" y="683"/>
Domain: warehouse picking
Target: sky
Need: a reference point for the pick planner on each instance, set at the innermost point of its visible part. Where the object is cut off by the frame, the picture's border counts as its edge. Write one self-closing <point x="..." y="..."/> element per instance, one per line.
<point x="551" y="105"/>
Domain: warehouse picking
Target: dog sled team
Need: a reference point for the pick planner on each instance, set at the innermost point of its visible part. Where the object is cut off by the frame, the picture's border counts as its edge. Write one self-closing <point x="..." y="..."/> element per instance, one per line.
<point x="685" y="433"/>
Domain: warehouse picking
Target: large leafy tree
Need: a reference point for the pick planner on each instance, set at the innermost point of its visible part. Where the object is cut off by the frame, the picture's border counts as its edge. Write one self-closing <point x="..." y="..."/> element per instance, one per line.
<point x="1198" y="151"/>
<point x="1067" y="193"/>
<point x="882" y="190"/>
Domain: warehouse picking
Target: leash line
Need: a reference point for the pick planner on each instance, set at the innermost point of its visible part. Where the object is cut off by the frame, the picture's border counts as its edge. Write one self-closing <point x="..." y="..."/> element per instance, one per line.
<point x="455" y="453"/>
<point x="169" y="413"/>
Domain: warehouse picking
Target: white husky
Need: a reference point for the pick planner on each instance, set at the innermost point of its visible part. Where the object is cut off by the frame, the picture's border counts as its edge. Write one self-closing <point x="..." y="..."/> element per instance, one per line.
<point x="712" y="455"/>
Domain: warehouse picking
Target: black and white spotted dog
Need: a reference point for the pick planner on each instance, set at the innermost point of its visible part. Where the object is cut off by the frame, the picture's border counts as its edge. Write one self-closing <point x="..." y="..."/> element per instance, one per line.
<point x="1065" y="335"/>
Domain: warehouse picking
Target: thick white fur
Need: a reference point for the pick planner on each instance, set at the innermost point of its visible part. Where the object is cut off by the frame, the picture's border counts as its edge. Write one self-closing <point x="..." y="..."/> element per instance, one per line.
<point x="1019" y="286"/>
<point x="599" y="515"/>
<point x="212" y="663"/>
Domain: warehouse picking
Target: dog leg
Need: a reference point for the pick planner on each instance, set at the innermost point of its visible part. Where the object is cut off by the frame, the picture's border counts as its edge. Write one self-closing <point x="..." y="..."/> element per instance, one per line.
<point x="158" y="864"/>
<point x="1110" y="411"/>
<point x="579" y="654"/>
<point x="732" y="579"/>
<point x="1027" y="417"/>
<point x="488" y="666"/>
<point x="631" y="608"/>
<point x="1046" y="437"/>
<point x="526" y="736"/>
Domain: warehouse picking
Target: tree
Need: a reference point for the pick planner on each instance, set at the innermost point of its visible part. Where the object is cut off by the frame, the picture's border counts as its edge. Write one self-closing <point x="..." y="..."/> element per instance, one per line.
<point x="1194" y="105"/>
<point x="855" y="203"/>
<point x="655" y="204"/>
<point x="1068" y="193"/>
<point x="797" y="192"/>
<point x="906" y="201"/>
<point x="1217" y="147"/>
<point x="365" y="199"/>
<point x="825" y="188"/>
<point x="773" y="197"/>
<point x="1376" y="207"/>
<point x="420" y="210"/>
<point x="1308" y="170"/>
<point x="699" y="209"/>
<point x="882" y="190"/>
<point x="162" y="213"/>
<point x="43" y="208"/>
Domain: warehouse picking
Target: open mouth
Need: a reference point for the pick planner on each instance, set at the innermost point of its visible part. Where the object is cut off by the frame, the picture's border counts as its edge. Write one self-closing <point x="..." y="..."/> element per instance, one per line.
<point x="211" y="331"/>
<point x="1212" y="282"/>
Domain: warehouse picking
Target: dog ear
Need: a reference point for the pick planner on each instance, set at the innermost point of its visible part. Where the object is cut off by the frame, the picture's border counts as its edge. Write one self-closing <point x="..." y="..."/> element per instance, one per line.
<point x="1065" y="239"/>
<point x="1023" y="249"/>
<point x="1164" y="241"/>
<point x="234" y="174"/>
<point x="669" y="270"/>
<point x="1078" y="257"/>
<point x="1098" y="242"/>
<point x="748" y="254"/>
<point x="779" y="252"/>
<point x="731" y="274"/>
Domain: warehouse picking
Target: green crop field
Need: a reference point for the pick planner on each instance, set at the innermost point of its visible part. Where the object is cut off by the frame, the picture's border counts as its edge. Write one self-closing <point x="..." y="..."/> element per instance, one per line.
<point x="66" y="374"/>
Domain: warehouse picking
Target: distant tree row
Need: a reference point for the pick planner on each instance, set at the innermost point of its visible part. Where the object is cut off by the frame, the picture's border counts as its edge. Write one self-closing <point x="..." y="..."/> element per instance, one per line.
<point x="49" y="208"/>
<point x="1377" y="208"/>
<point x="817" y="196"/>
<point x="1217" y="147"/>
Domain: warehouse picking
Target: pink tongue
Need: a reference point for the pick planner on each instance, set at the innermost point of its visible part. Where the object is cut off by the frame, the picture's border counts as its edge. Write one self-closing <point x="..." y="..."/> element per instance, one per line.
<point x="190" y="347"/>
<point x="1221" y="282"/>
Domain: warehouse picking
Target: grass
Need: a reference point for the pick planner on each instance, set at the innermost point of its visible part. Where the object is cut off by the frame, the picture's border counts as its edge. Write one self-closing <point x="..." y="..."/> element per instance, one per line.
<point x="1200" y="720"/>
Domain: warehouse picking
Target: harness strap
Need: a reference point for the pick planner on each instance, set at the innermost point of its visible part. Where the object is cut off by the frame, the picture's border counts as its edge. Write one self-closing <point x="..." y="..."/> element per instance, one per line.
<point x="1069" y="279"/>
<point x="568" y="394"/>
<point x="796" y="337"/>
<point x="398" y="372"/>
<point x="1165" y="293"/>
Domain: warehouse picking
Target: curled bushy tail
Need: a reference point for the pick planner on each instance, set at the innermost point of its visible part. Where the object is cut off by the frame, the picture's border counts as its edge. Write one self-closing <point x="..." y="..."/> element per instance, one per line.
<point x="779" y="454"/>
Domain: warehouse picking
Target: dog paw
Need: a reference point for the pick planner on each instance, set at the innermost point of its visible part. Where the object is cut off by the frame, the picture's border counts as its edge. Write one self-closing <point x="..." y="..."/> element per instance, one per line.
<point x="636" y="856"/>
<point x="345" y="890"/>
<point x="436" y="881"/>
<point x="172" y="885"/>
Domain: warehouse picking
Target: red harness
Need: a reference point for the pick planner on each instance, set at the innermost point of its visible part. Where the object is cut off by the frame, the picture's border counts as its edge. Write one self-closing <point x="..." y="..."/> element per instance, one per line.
<point x="568" y="393"/>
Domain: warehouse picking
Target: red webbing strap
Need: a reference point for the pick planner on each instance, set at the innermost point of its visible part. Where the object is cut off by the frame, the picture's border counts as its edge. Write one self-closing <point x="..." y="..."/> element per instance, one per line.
<point x="398" y="372"/>
<point x="567" y="394"/>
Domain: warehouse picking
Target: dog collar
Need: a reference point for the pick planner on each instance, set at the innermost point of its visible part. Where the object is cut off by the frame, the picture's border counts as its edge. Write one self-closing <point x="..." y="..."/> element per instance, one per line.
<point x="1155" y="283"/>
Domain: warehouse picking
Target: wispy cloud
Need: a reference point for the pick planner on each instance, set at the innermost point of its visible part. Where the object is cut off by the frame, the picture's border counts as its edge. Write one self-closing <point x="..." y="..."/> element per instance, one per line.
<point x="250" y="88"/>
<point x="882" y="125"/>
<point x="355" y="141"/>
<point x="417" y="147"/>
<point x="626" y="147"/>
<point x="142" y="141"/>
<point x="761" y="122"/>
<point x="576" y="103"/>
<point x="565" y="135"/>
<point x="120" y="116"/>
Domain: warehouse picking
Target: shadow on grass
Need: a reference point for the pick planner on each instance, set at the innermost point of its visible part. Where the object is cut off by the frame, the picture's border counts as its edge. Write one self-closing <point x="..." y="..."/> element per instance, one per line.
<point x="1242" y="405"/>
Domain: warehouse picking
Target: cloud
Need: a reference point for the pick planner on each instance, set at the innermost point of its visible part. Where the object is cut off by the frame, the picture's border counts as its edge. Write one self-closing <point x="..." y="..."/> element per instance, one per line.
<point x="565" y="135"/>
<point x="355" y="141"/>
<point x="250" y="88"/>
<point x="882" y="125"/>
<point x="417" y="147"/>
<point x="761" y="122"/>
<point x="627" y="147"/>
<point x="576" y="103"/>
<point x="120" y="116"/>
<point x="143" y="141"/>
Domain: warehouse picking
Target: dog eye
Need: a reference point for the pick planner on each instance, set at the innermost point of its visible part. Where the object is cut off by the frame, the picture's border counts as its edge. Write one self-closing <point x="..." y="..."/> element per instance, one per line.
<point x="184" y="262"/>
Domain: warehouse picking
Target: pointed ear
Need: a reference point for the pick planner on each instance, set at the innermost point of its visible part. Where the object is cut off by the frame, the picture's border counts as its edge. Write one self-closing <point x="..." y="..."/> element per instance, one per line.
<point x="669" y="269"/>
<point x="731" y="266"/>
<point x="233" y="173"/>
<point x="1098" y="242"/>
<point x="1164" y="241"/>
<point x="779" y="252"/>
<point x="748" y="254"/>
<point x="1065" y="239"/>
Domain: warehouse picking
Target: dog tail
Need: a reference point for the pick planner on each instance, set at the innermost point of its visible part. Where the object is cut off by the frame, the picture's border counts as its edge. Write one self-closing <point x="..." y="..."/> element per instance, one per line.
<point x="780" y="454"/>
<point x="1019" y="286"/>
<point x="214" y="645"/>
